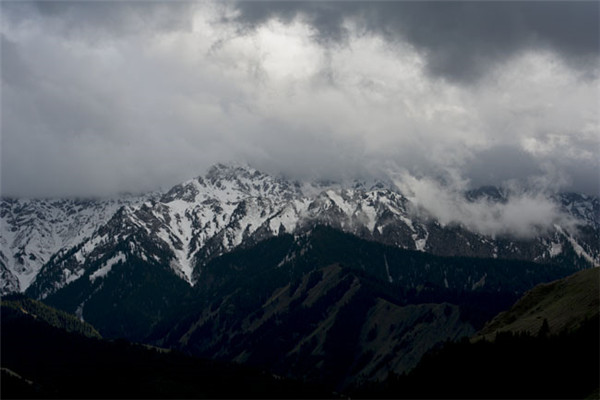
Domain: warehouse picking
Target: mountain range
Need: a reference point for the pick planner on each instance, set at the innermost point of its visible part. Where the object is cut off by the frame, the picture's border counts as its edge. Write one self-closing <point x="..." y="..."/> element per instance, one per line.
<point x="49" y="243"/>
<point x="331" y="283"/>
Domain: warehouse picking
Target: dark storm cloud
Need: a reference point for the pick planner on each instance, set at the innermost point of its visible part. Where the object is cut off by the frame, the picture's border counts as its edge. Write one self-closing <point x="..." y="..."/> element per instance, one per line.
<point x="461" y="40"/>
<point x="101" y="97"/>
<point x="511" y="164"/>
<point x="501" y="164"/>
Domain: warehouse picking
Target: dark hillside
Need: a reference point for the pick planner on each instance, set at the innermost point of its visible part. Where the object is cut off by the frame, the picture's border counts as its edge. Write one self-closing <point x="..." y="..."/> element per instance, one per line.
<point x="340" y="310"/>
<point x="545" y="346"/>
<point x="50" y="315"/>
<point x="563" y="304"/>
<point x="515" y="366"/>
<point x="43" y="361"/>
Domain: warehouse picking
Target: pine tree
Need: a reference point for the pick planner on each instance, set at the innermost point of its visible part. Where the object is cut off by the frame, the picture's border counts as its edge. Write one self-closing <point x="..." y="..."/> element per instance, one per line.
<point x="544" y="329"/>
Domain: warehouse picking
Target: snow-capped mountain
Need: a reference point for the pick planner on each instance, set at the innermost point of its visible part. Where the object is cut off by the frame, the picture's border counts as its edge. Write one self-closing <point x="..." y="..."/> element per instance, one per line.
<point x="32" y="230"/>
<point x="47" y="244"/>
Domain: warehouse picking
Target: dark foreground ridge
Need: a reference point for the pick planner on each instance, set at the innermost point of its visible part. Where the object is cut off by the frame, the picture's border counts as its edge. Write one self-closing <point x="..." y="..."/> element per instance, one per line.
<point x="517" y="366"/>
<point x="545" y="346"/>
<point x="43" y="361"/>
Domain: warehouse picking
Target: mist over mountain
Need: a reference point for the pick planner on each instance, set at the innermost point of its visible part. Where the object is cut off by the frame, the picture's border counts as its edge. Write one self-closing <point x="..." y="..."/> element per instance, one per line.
<point x="236" y="206"/>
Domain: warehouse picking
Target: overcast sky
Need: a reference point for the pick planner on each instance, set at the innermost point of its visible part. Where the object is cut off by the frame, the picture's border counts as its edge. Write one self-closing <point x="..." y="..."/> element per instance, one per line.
<point x="105" y="97"/>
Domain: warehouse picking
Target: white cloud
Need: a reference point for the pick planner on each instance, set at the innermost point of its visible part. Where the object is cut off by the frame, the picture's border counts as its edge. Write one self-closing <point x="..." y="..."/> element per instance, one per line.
<point x="113" y="109"/>
<point x="523" y="214"/>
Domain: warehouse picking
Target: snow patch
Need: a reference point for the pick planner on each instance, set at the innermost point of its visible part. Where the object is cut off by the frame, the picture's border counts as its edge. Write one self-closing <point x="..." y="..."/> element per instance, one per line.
<point x="371" y="214"/>
<point x="422" y="242"/>
<point x="480" y="283"/>
<point x="288" y="257"/>
<point x="71" y="276"/>
<point x="79" y="312"/>
<point x="343" y="205"/>
<point x="555" y="249"/>
<point x="577" y="247"/>
<point x="407" y="222"/>
<point x="387" y="269"/>
<point x="107" y="266"/>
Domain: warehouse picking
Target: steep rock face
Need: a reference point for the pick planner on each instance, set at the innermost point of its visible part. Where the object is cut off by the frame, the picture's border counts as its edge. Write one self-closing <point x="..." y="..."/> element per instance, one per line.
<point x="234" y="206"/>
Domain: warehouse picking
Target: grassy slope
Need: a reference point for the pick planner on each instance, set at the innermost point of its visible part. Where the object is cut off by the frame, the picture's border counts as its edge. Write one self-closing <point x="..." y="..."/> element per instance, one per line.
<point x="519" y="362"/>
<point x="564" y="303"/>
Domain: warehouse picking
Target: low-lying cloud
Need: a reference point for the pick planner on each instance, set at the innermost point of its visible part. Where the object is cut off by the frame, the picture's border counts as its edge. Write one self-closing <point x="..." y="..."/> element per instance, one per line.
<point x="521" y="214"/>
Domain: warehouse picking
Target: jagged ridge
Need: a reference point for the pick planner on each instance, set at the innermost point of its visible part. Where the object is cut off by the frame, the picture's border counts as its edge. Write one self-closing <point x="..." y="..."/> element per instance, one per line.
<point x="233" y="206"/>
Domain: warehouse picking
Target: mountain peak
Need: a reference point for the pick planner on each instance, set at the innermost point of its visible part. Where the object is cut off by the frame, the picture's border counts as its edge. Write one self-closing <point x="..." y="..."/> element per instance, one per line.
<point x="231" y="170"/>
<point x="234" y="204"/>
